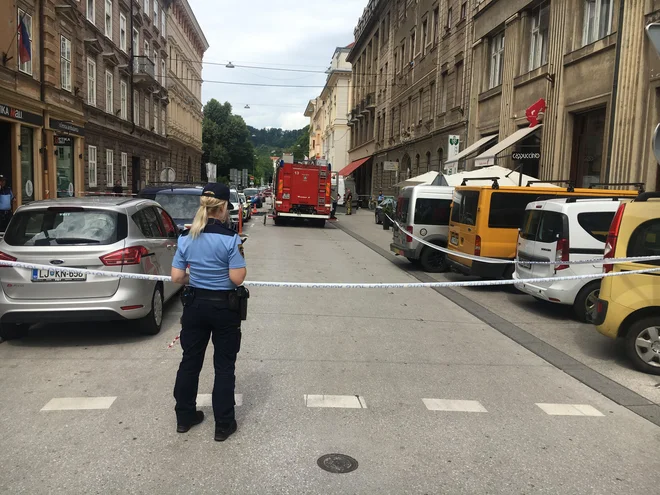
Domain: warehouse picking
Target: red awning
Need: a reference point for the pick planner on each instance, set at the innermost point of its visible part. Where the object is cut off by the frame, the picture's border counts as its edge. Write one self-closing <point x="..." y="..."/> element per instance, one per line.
<point x="353" y="166"/>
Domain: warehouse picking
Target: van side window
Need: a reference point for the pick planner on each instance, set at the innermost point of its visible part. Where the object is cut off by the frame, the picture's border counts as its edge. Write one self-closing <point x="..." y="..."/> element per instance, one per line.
<point x="551" y="227"/>
<point x="432" y="211"/>
<point x="597" y="225"/>
<point x="645" y="241"/>
<point x="402" y="210"/>
<point x="465" y="207"/>
<point x="507" y="209"/>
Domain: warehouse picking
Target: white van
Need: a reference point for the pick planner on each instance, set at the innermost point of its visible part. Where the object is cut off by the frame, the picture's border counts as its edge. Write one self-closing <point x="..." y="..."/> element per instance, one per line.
<point x="564" y="230"/>
<point x="424" y="212"/>
<point x="339" y="184"/>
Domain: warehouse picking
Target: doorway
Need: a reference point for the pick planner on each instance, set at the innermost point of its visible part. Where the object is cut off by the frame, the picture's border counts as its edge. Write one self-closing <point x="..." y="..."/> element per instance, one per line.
<point x="64" y="166"/>
<point x="136" y="174"/>
<point x="5" y="151"/>
<point x="588" y="146"/>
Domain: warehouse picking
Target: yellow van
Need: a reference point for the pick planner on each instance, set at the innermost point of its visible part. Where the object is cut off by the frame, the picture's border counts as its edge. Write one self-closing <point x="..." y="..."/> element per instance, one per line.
<point x="628" y="306"/>
<point x="485" y="221"/>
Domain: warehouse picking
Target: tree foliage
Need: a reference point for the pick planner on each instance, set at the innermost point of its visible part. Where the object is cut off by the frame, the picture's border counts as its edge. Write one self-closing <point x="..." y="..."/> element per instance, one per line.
<point x="274" y="142"/>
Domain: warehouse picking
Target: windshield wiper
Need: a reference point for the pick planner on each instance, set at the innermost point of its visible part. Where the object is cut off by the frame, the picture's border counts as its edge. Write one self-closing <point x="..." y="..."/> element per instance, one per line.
<point x="76" y="240"/>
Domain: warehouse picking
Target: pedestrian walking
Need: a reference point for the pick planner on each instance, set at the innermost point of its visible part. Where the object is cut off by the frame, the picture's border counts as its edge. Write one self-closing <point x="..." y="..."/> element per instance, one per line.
<point x="7" y="200"/>
<point x="348" y="201"/>
<point x="212" y="304"/>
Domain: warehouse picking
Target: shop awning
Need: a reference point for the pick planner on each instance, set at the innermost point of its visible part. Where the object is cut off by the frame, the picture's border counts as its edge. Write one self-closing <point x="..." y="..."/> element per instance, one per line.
<point x="473" y="148"/>
<point x="353" y="166"/>
<point x="488" y="157"/>
<point x="426" y="178"/>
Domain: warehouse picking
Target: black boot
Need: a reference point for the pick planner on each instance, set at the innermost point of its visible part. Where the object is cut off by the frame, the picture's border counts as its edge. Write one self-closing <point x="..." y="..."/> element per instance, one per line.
<point x="183" y="428"/>
<point x="223" y="431"/>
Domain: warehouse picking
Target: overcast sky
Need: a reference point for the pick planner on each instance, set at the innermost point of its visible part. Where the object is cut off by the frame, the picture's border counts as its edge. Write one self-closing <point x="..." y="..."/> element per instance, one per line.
<point x="294" y="34"/>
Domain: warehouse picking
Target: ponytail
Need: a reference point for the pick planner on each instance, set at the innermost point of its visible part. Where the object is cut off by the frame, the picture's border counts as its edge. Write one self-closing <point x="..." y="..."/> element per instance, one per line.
<point x="207" y="205"/>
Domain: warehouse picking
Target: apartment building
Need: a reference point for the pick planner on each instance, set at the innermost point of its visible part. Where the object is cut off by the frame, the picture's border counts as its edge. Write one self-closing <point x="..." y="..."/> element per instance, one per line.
<point x="328" y="114"/>
<point x="186" y="47"/>
<point x="564" y="97"/>
<point x="412" y="66"/>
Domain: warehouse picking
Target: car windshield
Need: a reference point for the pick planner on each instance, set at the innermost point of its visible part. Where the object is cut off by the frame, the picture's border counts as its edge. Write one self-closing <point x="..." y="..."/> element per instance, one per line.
<point x="179" y="205"/>
<point x="250" y="192"/>
<point x="55" y="227"/>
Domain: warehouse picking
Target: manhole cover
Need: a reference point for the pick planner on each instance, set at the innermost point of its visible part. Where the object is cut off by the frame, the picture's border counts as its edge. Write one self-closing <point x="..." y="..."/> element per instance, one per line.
<point x="337" y="463"/>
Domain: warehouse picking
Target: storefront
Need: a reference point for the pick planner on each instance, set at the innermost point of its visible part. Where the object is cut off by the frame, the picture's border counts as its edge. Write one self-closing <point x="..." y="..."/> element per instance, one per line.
<point x="67" y="146"/>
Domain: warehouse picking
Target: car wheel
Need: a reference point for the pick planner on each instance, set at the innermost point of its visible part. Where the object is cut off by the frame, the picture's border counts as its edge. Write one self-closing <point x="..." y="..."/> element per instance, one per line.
<point x="414" y="261"/>
<point x="11" y="331"/>
<point x="586" y="300"/>
<point x="150" y="324"/>
<point x="643" y="345"/>
<point x="433" y="261"/>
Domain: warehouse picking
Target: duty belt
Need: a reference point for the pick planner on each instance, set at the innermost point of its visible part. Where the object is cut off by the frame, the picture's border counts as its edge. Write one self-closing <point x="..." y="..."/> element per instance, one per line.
<point x="212" y="295"/>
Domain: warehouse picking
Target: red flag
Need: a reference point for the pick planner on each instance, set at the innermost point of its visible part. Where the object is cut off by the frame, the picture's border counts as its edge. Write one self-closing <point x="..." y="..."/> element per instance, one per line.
<point x="24" y="43"/>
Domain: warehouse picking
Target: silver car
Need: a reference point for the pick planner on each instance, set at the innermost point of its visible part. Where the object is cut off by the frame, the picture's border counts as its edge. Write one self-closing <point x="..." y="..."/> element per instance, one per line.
<point x="114" y="234"/>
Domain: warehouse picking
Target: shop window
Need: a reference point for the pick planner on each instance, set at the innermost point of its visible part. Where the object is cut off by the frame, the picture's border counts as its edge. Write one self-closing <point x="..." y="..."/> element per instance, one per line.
<point x="109" y="167"/>
<point x="538" y="48"/>
<point x="65" y="63"/>
<point x="108" y="18"/>
<point x="597" y="20"/>
<point x="124" y="169"/>
<point x="91" y="82"/>
<point x="588" y="146"/>
<point x="496" y="60"/>
<point x="64" y="166"/>
<point x="26" y="19"/>
<point x="91" y="166"/>
<point x="27" y="164"/>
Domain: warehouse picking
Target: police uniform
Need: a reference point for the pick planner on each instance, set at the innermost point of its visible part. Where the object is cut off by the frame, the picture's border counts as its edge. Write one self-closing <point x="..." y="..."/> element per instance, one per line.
<point x="6" y="200"/>
<point x="209" y="258"/>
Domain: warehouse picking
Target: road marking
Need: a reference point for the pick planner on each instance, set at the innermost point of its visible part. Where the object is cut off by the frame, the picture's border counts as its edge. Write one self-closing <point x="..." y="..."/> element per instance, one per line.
<point x="206" y="400"/>
<point x="453" y="405"/>
<point x="344" y="401"/>
<point x="78" y="403"/>
<point x="569" y="410"/>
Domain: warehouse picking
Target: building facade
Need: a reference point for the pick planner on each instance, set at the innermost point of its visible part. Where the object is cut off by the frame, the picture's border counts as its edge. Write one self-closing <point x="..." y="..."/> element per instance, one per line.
<point x="598" y="97"/>
<point x="329" y="130"/>
<point x="187" y="45"/>
<point x="412" y="67"/>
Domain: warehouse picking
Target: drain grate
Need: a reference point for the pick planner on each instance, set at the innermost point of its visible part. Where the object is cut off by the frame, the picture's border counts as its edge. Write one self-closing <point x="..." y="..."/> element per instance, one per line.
<point x="337" y="463"/>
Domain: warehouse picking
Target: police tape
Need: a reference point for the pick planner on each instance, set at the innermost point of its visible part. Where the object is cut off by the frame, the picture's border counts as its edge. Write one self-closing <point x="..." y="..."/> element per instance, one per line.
<point x="343" y="285"/>
<point x="484" y="259"/>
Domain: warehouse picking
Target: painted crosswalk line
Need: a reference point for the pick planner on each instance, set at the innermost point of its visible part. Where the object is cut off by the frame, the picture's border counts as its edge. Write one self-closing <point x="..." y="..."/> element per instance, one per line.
<point x="78" y="403"/>
<point x="453" y="405"/>
<point x="569" y="409"/>
<point x="341" y="401"/>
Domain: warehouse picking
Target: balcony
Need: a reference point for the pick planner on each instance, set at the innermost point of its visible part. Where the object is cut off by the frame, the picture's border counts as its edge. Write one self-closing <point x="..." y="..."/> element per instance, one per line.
<point x="144" y="72"/>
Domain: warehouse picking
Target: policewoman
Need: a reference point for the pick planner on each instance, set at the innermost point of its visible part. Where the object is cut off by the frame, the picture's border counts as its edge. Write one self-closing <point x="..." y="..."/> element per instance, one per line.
<point x="212" y="302"/>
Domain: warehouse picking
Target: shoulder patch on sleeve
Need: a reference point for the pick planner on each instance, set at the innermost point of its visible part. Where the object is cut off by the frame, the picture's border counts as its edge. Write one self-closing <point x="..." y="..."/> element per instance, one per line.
<point x="241" y="250"/>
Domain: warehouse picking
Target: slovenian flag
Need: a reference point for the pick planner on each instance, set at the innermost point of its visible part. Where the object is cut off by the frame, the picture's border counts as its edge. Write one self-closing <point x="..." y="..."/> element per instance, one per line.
<point x="25" y="45"/>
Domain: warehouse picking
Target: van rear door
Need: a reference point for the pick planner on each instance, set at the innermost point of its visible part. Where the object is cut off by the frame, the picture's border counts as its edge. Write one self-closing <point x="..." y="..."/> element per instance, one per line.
<point x="462" y="226"/>
<point x="527" y="240"/>
<point x="401" y="216"/>
<point x="553" y="229"/>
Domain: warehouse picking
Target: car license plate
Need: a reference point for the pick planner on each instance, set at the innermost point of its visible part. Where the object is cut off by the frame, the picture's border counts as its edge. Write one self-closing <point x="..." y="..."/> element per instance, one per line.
<point x="454" y="239"/>
<point x="525" y="264"/>
<point x="58" y="275"/>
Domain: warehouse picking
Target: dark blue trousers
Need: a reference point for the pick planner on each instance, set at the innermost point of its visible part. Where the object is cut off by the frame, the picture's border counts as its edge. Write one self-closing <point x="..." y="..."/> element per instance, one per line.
<point x="203" y="320"/>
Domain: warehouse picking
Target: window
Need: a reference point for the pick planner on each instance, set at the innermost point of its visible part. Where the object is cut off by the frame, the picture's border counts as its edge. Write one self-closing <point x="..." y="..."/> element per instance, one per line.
<point x="147" y="166"/>
<point x="91" y="11"/>
<point x="162" y="120"/>
<point x="463" y="11"/>
<point x="156" y="64"/>
<point x="443" y="94"/>
<point x="27" y="20"/>
<point x="124" y="169"/>
<point x="538" y="49"/>
<point x="596" y="224"/>
<point x="109" y="167"/>
<point x="91" y="165"/>
<point x="65" y="63"/>
<point x="163" y="19"/>
<point x="432" y="100"/>
<point x="465" y="207"/>
<point x="136" y="42"/>
<point x="432" y="211"/>
<point x="530" y="225"/>
<point x="412" y="46"/>
<point x="146" y="48"/>
<point x="458" y="97"/>
<point x="146" y="7"/>
<point x="147" y="118"/>
<point x="109" y="92"/>
<point x="155" y="129"/>
<point x="91" y="82"/>
<point x="156" y="14"/>
<point x="436" y="21"/>
<point x="122" y="32"/>
<point x="597" y="20"/>
<point x="425" y="35"/>
<point x="552" y="226"/>
<point x="163" y="72"/>
<point x="136" y="107"/>
<point x="168" y="223"/>
<point x="148" y="223"/>
<point x="645" y="241"/>
<point x="507" y="210"/>
<point x="496" y="60"/>
<point x="450" y="19"/>
<point x="123" y="96"/>
<point x="420" y="106"/>
<point x="108" y="18"/>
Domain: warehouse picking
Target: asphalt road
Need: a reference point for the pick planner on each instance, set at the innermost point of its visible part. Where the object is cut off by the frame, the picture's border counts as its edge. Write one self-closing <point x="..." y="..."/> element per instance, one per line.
<point x="425" y="396"/>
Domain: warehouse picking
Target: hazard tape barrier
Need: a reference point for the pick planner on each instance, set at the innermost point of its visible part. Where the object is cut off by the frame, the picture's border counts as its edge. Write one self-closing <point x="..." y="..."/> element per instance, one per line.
<point x="338" y="285"/>
<point x="484" y="259"/>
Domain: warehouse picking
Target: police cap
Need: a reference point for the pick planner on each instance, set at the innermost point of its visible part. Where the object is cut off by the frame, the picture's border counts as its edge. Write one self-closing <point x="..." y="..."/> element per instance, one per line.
<point x="219" y="191"/>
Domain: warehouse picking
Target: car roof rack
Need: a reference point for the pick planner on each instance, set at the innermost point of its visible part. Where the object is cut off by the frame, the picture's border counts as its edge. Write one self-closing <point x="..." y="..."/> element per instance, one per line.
<point x="569" y="188"/>
<point x="643" y="197"/>
<point x="574" y="199"/>
<point x="496" y="184"/>
<point x="638" y="185"/>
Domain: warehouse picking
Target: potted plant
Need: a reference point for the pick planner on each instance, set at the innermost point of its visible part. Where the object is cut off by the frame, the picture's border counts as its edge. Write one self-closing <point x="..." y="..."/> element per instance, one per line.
<point x="387" y="212"/>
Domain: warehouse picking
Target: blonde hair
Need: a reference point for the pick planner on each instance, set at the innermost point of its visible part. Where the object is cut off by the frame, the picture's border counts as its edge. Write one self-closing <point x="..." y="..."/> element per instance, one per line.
<point x="208" y="207"/>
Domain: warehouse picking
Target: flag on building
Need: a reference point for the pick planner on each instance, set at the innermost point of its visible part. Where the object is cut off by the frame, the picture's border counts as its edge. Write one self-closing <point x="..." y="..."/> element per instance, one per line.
<point x="24" y="43"/>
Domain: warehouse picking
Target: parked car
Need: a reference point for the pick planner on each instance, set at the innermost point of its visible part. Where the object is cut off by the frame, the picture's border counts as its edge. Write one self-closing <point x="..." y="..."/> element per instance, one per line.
<point x="628" y="307"/>
<point x="423" y="211"/>
<point x="247" y="211"/>
<point x="388" y="201"/>
<point x="564" y="230"/>
<point x="252" y="195"/>
<point x="114" y="234"/>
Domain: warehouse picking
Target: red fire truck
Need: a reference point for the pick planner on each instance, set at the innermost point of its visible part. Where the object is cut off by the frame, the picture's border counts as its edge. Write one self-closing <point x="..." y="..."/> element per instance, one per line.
<point x="302" y="190"/>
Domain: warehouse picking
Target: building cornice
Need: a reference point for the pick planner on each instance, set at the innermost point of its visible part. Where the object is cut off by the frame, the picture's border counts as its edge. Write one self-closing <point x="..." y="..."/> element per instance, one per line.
<point x="193" y="20"/>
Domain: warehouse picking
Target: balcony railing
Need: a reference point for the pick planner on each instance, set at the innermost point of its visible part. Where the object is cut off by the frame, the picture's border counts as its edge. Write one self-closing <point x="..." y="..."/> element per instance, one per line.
<point x="144" y="66"/>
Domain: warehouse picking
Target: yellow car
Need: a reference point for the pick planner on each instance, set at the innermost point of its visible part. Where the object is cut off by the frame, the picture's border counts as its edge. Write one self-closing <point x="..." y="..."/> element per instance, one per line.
<point x="628" y="306"/>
